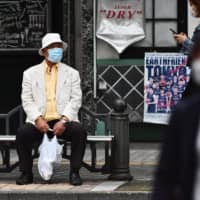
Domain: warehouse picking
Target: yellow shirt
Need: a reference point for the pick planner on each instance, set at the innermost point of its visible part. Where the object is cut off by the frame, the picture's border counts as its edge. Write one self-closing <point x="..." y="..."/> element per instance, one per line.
<point x="50" y="83"/>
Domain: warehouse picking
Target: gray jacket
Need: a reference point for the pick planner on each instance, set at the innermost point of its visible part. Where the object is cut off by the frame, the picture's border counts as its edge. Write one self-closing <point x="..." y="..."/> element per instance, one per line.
<point x="187" y="46"/>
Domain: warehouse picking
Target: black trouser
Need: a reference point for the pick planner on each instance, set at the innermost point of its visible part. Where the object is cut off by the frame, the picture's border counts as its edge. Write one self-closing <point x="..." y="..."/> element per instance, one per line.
<point x="28" y="135"/>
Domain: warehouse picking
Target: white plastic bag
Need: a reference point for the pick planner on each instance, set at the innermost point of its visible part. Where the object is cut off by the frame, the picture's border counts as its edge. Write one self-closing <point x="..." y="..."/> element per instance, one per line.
<point x="50" y="152"/>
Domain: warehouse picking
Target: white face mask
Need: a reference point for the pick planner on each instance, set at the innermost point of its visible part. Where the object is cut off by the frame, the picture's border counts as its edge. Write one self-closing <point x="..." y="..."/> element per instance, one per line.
<point x="192" y="11"/>
<point x="196" y="71"/>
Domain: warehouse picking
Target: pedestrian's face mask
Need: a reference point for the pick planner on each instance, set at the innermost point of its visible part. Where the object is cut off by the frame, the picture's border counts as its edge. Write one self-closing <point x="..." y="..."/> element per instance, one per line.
<point x="55" y="55"/>
<point x="196" y="71"/>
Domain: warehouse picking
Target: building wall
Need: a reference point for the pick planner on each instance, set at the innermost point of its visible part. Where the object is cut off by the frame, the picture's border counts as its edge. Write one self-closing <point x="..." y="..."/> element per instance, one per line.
<point x="81" y="54"/>
<point x="78" y="32"/>
<point x="87" y="51"/>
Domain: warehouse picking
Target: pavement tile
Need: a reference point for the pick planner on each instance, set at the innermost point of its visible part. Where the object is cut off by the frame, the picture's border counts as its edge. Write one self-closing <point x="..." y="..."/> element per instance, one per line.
<point x="108" y="186"/>
<point x="32" y="187"/>
<point x="13" y="187"/>
<point x="55" y="187"/>
<point x="138" y="152"/>
<point x="2" y="185"/>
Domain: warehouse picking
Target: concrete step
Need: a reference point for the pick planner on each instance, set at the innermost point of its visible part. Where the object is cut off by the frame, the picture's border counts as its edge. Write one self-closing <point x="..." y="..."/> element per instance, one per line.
<point x="74" y="196"/>
<point x="142" y="166"/>
<point x="96" y="186"/>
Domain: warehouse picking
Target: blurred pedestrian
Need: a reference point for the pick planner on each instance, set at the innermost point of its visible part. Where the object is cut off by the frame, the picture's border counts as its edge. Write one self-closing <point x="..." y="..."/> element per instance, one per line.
<point x="192" y="86"/>
<point x="178" y="173"/>
<point x="187" y="43"/>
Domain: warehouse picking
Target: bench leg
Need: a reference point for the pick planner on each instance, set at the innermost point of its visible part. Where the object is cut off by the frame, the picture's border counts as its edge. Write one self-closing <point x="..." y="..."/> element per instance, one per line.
<point x="65" y="151"/>
<point x="2" y="150"/>
<point x="5" y="152"/>
<point x="7" y="157"/>
<point x="106" y="152"/>
<point x="93" y="155"/>
<point x="107" y="167"/>
<point x="36" y="151"/>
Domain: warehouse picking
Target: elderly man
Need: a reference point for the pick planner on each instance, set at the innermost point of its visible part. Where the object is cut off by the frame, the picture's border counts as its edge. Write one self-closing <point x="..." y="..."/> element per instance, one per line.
<point x="51" y="97"/>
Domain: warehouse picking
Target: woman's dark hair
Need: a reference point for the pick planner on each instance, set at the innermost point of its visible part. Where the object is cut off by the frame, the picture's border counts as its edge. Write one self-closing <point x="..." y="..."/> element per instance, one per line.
<point x="196" y="4"/>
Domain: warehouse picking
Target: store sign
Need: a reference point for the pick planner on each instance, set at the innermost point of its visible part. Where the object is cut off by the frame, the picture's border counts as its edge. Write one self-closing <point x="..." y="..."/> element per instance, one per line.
<point x="120" y="22"/>
<point x="166" y="77"/>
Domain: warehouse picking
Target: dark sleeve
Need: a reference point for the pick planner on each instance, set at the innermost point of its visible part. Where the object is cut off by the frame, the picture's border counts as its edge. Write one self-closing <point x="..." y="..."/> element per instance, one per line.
<point x="191" y="89"/>
<point x="166" y="177"/>
<point x="196" y="35"/>
<point x="187" y="46"/>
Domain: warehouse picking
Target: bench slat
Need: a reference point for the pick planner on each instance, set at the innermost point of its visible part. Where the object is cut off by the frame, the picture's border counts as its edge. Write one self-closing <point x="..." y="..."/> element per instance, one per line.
<point x="7" y="138"/>
<point x="95" y="138"/>
<point x="100" y="138"/>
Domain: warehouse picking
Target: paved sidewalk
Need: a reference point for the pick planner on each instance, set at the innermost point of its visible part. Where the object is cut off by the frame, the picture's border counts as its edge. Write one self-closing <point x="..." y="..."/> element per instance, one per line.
<point x="143" y="159"/>
<point x="140" y="154"/>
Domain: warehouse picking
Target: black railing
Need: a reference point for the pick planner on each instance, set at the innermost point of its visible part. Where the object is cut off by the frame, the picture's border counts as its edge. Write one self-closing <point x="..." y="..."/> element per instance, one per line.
<point x="7" y="118"/>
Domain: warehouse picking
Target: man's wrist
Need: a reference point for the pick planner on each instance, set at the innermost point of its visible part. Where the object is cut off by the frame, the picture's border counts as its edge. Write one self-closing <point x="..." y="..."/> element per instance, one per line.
<point x="64" y="118"/>
<point x="39" y="118"/>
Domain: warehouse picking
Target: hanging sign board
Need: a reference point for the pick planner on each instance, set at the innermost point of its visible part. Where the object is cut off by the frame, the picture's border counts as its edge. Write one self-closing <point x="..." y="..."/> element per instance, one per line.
<point x="120" y="22"/>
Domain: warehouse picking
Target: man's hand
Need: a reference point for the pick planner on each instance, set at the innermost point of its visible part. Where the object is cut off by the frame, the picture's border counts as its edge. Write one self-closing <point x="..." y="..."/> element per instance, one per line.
<point x="41" y="125"/>
<point x="180" y="38"/>
<point x="59" y="128"/>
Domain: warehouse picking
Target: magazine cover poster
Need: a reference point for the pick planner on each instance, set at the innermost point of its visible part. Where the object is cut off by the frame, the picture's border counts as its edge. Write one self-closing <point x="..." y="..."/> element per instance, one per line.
<point x="165" y="80"/>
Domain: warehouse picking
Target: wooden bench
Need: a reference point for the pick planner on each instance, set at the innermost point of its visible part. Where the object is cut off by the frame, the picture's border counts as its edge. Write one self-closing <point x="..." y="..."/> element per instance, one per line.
<point x="89" y="120"/>
<point x="5" y="143"/>
<point x="7" y="140"/>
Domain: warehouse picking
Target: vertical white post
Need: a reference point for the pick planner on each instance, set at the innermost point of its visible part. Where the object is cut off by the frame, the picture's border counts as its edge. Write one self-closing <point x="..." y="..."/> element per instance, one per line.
<point x="94" y="49"/>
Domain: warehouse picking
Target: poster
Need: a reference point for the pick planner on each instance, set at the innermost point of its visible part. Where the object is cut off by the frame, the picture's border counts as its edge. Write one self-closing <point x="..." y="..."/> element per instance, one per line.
<point x="120" y="23"/>
<point x="166" y="78"/>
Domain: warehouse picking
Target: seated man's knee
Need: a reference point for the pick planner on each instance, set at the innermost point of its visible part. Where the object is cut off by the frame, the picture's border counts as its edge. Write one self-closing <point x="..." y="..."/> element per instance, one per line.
<point x="22" y="134"/>
<point x="79" y="130"/>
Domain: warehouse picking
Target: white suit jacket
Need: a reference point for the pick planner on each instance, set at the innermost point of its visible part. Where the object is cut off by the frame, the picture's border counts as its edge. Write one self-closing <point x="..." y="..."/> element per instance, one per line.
<point x="68" y="92"/>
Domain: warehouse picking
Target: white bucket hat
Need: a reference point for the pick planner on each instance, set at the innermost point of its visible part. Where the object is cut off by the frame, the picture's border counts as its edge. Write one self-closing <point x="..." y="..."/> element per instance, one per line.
<point x="51" y="38"/>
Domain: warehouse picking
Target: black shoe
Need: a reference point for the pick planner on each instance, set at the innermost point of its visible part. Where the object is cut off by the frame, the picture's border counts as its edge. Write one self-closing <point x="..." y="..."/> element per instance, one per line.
<point x="75" y="179"/>
<point x="25" y="179"/>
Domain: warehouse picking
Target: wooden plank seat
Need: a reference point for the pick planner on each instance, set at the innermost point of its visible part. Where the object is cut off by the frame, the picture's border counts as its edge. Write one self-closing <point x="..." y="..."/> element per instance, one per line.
<point x="7" y="138"/>
<point x="90" y="138"/>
